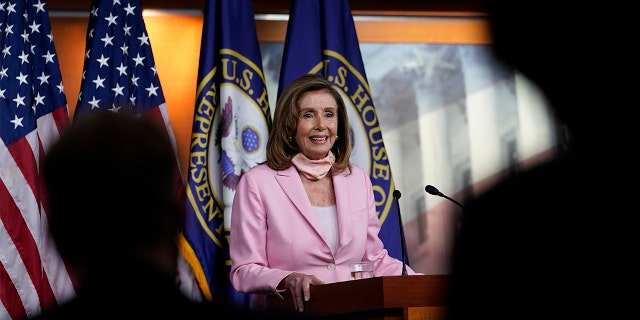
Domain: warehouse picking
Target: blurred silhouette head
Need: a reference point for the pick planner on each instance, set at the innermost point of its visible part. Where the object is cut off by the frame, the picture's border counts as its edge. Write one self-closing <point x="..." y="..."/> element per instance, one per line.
<point x="579" y="54"/>
<point x="111" y="180"/>
<point x="530" y="233"/>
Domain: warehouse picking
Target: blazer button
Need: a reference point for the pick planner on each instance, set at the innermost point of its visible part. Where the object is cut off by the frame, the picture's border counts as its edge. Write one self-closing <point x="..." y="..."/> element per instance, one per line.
<point x="331" y="266"/>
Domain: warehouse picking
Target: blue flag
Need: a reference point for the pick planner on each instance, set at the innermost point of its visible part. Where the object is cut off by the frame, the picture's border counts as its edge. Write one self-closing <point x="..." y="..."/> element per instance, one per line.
<point x="321" y="39"/>
<point x="231" y="125"/>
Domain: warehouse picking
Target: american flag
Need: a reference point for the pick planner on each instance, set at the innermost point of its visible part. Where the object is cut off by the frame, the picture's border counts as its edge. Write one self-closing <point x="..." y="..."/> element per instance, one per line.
<point x="33" y="111"/>
<point x="119" y="72"/>
<point x="120" y="75"/>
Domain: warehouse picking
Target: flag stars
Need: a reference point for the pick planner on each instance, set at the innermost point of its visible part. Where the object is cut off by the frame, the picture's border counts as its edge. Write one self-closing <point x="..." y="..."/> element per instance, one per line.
<point x="48" y="57"/>
<point x="152" y="90"/>
<point x="132" y="78"/>
<point x="19" y="100"/>
<point x="11" y="8"/>
<point x="115" y="108"/>
<point x="25" y="35"/>
<point x="6" y="51"/>
<point x="118" y="90"/>
<point x="43" y="78"/>
<point x="22" y="78"/>
<point x="111" y="19"/>
<point x="24" y="57"/>
<point x="60" y="88"/>
<point x="143" y="39"/>
<point x="3" y="72"/>
<point x="125" y="50"/>
<point x="38" y="100"/>
<point x="34" y="27"/>
<point x="123" y="69"/>
<point x="94" y="103"/>
<point x="107" y="40"/>
<point x="129" y="9"/>
<point x="127" y="30"/>
<point x="103" y="61"/>
<point x="17" y="122"/>
<point x="138" y="59"/>
<point x="99" y="82"/>
<point x="8" y="29"/>
<point x="39" y="6"/>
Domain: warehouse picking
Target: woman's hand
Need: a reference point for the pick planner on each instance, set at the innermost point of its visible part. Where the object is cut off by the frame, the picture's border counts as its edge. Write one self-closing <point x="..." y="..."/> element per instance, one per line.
<point x="298" y="285"/>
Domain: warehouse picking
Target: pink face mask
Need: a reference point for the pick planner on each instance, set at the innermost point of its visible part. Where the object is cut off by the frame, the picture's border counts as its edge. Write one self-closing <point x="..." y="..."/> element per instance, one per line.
<point x="313" y="169"/>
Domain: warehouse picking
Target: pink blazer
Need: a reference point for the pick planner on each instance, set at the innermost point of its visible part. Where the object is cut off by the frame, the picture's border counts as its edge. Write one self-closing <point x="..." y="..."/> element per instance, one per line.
<point x="274" y="230"/>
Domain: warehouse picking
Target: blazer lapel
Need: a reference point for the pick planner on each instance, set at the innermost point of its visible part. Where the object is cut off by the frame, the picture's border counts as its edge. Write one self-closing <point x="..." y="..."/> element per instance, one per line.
<point x="290" y="182"/>
<point x="343" y="195"/>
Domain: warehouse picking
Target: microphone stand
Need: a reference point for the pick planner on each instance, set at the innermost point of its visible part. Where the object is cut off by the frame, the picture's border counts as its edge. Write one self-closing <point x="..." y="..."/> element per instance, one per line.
<point x="397" y="195"/>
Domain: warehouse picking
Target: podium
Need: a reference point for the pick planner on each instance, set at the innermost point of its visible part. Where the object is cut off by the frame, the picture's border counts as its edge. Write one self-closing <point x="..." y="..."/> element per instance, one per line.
<point x="416" y="297"/>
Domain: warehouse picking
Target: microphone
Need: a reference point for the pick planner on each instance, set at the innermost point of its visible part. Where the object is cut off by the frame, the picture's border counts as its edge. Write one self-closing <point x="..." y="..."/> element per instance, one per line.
<point x="397" y="195"/>
<point x="434" y="191"/>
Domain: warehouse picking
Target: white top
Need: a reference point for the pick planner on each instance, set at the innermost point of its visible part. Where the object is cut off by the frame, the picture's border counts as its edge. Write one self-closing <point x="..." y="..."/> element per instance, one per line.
<point x="328" y="217"/>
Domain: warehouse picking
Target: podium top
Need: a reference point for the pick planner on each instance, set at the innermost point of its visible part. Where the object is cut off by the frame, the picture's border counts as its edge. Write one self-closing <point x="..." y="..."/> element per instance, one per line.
<point x="370" y="294"/>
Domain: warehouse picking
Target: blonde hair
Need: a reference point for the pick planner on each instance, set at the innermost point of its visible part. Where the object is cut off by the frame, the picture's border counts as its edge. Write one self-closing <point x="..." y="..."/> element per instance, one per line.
<point x="281" y="148"/>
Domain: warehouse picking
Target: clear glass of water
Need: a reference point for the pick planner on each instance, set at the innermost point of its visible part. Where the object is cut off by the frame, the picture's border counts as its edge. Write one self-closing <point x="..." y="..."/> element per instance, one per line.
<point x="361" y="270"/>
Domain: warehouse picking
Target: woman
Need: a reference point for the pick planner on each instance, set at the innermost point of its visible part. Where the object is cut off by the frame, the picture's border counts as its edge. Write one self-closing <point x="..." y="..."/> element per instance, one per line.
<point x="300" y="218"/>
